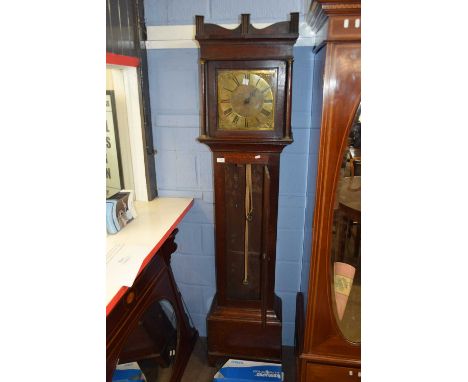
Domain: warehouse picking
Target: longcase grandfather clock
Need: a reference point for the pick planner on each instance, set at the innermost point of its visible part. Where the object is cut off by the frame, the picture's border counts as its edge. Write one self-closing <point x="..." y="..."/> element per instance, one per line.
<point x="245" y="86"/>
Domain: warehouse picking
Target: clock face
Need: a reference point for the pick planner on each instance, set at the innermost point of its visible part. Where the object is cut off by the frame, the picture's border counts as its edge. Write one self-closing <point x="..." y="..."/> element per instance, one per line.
<point x="246" y="99"/>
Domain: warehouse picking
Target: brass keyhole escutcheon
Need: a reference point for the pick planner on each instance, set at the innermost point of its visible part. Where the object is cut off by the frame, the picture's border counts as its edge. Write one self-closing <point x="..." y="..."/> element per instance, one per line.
<point x="130" y="298"/>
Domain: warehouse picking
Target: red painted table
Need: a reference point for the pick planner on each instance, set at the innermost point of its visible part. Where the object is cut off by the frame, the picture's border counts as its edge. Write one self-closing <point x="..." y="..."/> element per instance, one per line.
<point x="150" y="237"/>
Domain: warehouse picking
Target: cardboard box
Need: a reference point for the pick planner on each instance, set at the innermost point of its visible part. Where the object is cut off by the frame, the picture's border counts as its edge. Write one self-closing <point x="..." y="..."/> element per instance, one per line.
<point x="236" y="370"/>
<point x="128" y="372"/>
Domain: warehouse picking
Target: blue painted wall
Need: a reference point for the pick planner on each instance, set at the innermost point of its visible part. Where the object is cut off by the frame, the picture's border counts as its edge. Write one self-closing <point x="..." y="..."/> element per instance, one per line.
<point x="316" y="115"/>
<point x="184" y="168"/>
<point x="176" y="12"/>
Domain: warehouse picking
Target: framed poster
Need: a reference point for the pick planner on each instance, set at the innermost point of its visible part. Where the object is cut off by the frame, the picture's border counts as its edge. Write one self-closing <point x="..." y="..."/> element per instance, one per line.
<point x="114" y="177"/>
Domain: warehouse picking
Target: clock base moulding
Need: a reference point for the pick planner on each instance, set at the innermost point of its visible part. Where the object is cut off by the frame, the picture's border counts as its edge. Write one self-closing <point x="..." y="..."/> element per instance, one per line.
<point x="235" y="332"/>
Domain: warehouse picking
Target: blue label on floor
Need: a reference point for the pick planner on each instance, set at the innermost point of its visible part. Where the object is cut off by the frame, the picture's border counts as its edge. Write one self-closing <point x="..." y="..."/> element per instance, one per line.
<point x="243" y="371"/>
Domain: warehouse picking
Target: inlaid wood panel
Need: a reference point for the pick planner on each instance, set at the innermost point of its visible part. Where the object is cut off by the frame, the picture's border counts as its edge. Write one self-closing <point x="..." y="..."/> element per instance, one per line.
<point x="327" y="373"/>
<point x="326" y="354"/>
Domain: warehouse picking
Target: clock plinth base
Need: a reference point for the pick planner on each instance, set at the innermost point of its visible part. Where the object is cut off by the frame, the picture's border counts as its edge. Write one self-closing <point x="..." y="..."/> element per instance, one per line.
<point x="235" y="332"/>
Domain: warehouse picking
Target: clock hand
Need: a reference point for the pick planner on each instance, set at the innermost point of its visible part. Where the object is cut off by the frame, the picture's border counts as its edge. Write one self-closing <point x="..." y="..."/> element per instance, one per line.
<point x="252" y="94"/>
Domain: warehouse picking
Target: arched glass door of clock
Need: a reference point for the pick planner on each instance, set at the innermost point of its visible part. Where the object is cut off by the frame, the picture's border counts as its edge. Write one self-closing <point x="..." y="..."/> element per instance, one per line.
<point x="345" y="266"/>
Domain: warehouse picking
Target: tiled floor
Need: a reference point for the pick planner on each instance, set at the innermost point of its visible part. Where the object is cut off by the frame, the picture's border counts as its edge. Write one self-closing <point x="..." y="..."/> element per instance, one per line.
<point x="198" y="370"/>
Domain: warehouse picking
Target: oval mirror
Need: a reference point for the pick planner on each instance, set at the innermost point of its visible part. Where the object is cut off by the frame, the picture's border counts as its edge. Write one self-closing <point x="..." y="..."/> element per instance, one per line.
<point x="346" y="239"/>
<point x="152" y="345"/>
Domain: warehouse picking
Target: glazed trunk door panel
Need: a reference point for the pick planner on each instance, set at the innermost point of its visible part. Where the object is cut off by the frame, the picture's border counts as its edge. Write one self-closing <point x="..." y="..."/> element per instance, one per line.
<point x="243" y="281"/>
<point x="235" y="188"/>
<point x="242" y="278"/>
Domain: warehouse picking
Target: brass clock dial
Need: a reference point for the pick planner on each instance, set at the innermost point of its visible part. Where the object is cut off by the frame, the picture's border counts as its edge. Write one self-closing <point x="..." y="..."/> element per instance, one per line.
<point x="246" y="99"/>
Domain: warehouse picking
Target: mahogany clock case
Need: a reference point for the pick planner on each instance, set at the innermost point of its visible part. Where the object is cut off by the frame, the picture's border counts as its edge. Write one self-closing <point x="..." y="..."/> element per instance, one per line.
<point x="245" y="317"/>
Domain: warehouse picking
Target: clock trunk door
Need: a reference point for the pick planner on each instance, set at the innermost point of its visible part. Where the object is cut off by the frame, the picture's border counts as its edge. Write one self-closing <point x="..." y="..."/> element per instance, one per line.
<point x="243" y="268"/>
<point x="243" y="209"/>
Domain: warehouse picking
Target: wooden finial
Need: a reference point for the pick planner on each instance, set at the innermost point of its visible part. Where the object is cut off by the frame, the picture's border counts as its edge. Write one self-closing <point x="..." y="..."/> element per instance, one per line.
<point x="294" y="23"/>
<point x="199" y="22"/>
<point x="245" y="23"/>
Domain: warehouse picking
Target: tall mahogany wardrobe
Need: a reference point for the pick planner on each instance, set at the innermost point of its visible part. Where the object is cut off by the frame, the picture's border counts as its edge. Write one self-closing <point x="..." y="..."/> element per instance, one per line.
<point x="328" y="327"/>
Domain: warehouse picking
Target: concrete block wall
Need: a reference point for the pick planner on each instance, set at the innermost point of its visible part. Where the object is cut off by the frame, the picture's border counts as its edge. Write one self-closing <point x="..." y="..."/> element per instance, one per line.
<point x="292" y="192"/>
<point x="180" y="12"/>
<point x="317" y="90"/>
<point x="184" y="167"/>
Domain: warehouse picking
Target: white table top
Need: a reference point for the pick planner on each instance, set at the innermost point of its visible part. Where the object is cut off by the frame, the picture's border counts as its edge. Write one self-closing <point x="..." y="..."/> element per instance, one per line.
<point x="141" y="239"/>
